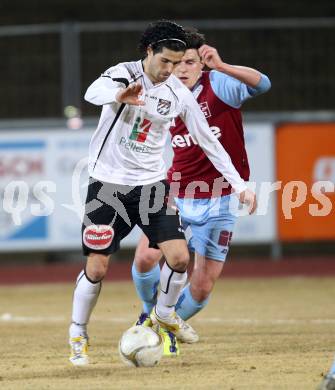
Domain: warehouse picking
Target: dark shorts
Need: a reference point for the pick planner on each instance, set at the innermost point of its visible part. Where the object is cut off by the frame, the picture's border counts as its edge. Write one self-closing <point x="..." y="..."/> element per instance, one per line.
<point x="112" y="211"/>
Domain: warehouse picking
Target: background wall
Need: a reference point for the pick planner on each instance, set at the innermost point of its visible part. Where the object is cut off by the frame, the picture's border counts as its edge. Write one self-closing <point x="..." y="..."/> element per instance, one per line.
<point x="39" y="11"/>
<point x="65" y="45"/>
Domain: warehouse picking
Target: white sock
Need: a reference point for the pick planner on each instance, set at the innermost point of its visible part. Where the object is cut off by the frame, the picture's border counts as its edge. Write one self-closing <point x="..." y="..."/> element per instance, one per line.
<point x="85" y="297"/>
<point x="171" y="284"/>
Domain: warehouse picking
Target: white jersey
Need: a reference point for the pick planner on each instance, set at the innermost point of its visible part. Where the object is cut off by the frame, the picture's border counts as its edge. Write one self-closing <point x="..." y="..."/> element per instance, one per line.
<point x="127" y="146"/>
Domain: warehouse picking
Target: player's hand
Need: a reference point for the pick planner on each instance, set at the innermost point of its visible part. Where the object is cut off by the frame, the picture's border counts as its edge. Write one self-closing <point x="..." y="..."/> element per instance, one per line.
<point x="210" y="56"/>
<point x="130" y="95"/>
<point x="248" y="198"/>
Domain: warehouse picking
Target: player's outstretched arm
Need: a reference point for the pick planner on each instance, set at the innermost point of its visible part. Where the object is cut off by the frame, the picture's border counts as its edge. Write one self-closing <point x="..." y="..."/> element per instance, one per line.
<point x="200" y="131"/>
<point x="113" y="87"/>
<point x="246" y="75"/>
<point x="102" y="91"/>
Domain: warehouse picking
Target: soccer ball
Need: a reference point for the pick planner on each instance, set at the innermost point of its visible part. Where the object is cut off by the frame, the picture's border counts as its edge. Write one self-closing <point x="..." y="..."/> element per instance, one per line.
<point x="141" y="346"/>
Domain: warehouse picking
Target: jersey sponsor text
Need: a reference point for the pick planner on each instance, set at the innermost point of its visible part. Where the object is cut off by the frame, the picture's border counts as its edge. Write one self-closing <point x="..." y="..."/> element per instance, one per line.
<point x="182" y="141"/>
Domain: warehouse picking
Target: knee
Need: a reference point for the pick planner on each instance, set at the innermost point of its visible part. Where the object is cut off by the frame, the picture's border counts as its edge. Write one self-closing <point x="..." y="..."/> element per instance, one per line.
<point x="146" y="260"/>
<point x="200" y="295"/>
<point x="179" y="261"/>
<point x="200" y="292"/>
<point x="96" y="267"/>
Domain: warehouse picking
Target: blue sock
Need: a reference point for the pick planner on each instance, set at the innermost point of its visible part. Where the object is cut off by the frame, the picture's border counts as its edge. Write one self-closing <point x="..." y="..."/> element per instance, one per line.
<point x="332" y="370"/>
<point x="146" y="284"/>
<point x="186" y="306"/>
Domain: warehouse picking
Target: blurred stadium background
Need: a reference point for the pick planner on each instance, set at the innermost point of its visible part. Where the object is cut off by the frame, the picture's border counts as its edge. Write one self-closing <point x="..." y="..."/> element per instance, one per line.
<point x="51" y="52"/>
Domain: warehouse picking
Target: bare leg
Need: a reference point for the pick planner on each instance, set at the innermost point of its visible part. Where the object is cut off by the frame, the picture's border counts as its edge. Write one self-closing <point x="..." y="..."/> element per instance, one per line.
<point x="195" y="295"/>
<point x="205" y="273"/>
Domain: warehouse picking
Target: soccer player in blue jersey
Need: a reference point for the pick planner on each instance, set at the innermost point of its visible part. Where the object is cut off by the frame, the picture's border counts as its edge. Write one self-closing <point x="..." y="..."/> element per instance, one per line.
<point x="220" y="94"/>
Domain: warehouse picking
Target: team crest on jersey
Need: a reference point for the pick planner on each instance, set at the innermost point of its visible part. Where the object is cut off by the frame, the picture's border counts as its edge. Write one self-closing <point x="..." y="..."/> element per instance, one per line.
<point x="163" y="106"/>
<point x="205" y="109"/>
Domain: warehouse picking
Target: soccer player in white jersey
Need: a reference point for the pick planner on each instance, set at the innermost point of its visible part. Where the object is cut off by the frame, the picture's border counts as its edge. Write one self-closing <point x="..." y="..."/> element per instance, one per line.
<point x="140" y="100"/>
<point x="209" y="211"/>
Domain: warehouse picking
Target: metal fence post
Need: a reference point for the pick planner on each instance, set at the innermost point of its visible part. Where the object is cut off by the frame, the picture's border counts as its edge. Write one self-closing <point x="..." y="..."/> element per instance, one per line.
<point x="70" y="62"/>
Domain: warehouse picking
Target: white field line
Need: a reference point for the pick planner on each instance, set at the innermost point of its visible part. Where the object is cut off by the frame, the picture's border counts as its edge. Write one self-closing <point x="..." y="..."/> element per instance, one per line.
<point x="9" y="318"/>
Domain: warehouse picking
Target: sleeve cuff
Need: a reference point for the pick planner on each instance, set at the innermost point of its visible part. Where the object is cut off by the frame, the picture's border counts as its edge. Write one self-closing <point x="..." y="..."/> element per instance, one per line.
<point x="263" y="86"/>
<point x="238" y="188"/>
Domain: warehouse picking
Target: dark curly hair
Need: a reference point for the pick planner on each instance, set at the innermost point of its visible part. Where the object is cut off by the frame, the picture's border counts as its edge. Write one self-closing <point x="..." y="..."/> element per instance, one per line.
<point x="194" y="40"/>
<point x="163" y="33"/>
